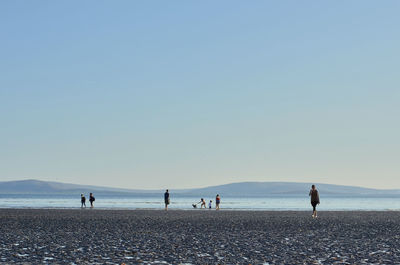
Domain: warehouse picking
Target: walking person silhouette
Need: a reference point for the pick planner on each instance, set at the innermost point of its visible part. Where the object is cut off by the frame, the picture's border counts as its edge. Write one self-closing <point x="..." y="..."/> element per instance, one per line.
<point x="314" y="200"/>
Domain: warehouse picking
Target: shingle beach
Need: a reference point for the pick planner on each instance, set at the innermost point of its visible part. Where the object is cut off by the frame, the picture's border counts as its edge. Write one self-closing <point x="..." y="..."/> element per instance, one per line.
<point x="92" y="236"/>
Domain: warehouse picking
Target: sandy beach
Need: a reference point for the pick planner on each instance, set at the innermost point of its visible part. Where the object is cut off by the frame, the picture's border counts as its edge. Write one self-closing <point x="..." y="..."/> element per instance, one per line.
<point x="197" y="237"/>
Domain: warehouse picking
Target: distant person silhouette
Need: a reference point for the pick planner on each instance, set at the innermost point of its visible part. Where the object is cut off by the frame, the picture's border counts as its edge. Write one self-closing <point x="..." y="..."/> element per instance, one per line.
<point x="217" y="202"/>
<point x="202" y="203"/>
<point x="314" y="200"/>
<point x="166" y="199"/>
<point x="210" y="205"/>
<point x="91" y="199"/>
<point x="83" y="201"/>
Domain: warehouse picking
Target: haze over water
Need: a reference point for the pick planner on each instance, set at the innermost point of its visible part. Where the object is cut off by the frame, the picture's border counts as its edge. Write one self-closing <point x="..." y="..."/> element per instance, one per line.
<point x="185" y="203"/>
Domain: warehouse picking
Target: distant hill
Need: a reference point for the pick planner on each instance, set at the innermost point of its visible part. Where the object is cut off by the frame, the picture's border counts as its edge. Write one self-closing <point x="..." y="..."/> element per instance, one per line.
<point x="32" y="186"/>
<point x="241" y="189"/>
<point x="271" y="189"/>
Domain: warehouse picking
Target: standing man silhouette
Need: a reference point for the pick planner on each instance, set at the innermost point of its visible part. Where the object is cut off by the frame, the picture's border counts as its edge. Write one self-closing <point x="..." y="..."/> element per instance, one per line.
<point x="91" y="199"/>
<point x="166" y="199"/>
<point x="83" y="201"/>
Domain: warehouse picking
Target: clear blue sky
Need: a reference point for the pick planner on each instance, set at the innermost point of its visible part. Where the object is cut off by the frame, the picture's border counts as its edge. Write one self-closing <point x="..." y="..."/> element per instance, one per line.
<point x="174" y="94"/>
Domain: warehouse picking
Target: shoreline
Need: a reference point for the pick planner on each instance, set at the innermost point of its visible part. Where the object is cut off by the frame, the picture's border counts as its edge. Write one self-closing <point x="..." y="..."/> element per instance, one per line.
<point x="196" y="210"/>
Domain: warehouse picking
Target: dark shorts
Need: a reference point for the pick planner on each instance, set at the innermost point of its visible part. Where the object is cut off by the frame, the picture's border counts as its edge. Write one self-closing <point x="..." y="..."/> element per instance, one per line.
<point x="314" y="205"/>
<point x="166" y="201"/>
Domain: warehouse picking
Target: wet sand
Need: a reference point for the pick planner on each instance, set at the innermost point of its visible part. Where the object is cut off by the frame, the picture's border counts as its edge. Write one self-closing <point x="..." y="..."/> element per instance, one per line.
<point x="91" y="236"/>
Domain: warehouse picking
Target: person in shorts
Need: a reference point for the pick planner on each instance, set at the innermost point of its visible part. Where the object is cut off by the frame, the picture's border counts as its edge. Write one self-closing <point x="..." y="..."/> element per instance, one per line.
<point x="314" y="200"/>
<point x="202" y="203"/>
<point x="217" y="202"/>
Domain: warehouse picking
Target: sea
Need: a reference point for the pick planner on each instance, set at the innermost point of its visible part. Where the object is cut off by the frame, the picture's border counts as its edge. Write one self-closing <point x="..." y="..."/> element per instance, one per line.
<point x="276" y="203"/>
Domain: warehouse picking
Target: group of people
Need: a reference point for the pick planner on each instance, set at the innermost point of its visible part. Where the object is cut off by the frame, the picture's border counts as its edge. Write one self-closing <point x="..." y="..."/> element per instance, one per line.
<point x="91" y="200"/>
<point x="202" y="202"/>
<point x="313" y="194"/>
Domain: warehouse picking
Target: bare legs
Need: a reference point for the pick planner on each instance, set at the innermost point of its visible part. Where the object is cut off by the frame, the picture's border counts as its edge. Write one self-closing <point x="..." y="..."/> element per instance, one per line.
<point x="314" y="215"/>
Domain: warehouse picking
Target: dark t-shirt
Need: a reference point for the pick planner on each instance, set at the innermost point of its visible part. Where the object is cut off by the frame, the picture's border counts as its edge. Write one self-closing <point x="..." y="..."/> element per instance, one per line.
<point x="314" y="196"/>
<point x="166" y="196"/>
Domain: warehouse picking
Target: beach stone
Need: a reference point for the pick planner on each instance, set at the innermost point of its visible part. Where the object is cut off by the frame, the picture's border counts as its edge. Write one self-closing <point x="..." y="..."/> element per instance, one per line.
<point x="34" y="236"/>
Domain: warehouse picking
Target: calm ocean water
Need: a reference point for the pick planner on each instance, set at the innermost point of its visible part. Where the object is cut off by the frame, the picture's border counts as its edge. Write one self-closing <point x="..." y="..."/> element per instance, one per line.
<point x="185" y="203"/>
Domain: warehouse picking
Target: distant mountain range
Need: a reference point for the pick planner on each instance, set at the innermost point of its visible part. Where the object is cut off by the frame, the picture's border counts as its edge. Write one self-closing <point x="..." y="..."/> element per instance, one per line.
<point x="32" y="186"/>
<point x="242" y="189"/>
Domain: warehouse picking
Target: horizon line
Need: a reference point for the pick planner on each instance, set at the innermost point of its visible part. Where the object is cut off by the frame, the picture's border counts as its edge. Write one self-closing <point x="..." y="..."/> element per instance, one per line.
<point x="203" y="187"/>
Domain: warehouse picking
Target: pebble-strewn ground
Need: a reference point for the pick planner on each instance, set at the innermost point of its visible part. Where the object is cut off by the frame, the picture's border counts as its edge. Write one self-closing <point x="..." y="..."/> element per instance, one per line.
<point x="197" y="237"/>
